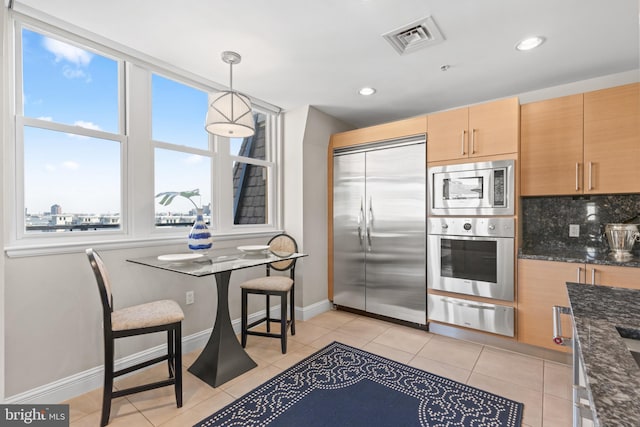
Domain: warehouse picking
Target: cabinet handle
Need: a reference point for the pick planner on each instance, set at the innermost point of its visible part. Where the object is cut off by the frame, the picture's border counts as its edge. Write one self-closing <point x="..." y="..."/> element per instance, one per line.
<point x="557" y="326"/>
<point x="593" y="276"/>
<point x="579" y="271"/>
<point x="590" y="176"/>
<point x="473" y="141"/>
<point x="462" y="143"/>
<point x="577" y="176"/>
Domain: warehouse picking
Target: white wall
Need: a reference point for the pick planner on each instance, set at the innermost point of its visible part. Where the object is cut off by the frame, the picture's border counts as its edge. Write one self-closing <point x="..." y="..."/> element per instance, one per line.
<point x="307" y="133"/>
<point x="3" y="136"/>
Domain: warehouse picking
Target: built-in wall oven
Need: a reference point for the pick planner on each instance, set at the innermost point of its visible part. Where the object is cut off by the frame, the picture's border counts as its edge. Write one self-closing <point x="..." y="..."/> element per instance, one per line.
<point x="472" y="256"/>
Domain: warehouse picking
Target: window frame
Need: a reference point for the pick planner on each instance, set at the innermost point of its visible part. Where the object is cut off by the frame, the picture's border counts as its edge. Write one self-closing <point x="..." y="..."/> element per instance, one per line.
<point x="21" y="121"/>
<point x="137" y="159"/>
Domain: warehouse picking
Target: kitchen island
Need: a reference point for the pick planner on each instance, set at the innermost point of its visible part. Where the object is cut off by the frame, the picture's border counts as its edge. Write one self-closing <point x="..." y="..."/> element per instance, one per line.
<point x="600" y="314"/>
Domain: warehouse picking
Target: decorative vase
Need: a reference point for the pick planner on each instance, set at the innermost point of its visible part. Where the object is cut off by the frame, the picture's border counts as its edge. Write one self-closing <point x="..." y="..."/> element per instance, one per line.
<point x="200" y="240"/>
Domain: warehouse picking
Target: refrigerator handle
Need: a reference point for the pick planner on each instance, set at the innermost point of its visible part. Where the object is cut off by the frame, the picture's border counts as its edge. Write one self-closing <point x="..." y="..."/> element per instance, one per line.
<point x="360" y="219"/>
<point x="369" y="222"/>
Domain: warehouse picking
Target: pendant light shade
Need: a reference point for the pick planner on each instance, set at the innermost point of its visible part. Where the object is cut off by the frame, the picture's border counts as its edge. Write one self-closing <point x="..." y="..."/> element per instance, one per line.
<point x="230" y="113"/>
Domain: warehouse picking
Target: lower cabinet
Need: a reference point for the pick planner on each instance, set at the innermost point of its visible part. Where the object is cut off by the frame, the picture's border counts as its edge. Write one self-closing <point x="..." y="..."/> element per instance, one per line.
<point x="541" y="285"/>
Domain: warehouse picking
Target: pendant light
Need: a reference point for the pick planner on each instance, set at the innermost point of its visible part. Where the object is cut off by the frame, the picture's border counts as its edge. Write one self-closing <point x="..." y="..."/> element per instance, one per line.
<point x="229" y="113"/>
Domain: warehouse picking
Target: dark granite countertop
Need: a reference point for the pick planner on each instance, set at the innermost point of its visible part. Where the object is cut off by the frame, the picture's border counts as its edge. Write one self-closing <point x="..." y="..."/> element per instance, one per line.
<point x="613" y="377"/>
<point x="578" y="255"/>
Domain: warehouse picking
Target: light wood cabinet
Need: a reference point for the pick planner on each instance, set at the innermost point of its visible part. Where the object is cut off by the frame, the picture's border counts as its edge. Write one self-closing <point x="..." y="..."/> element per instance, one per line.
<point x="582" y="144"/>
<point x="551" y="146"/>
<point x="612" y="140"/>
<point x="541" y="285"/>
<point x="611" y="275"/>
<point x="477" y="131"/>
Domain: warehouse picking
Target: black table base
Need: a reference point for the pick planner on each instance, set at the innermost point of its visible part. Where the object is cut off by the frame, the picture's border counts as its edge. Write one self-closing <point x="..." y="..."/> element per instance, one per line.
<point x="223" y="358"/>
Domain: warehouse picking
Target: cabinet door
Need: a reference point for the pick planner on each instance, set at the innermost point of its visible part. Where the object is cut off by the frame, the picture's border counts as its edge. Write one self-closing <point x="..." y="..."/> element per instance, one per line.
<point x="493" y="128"/>
<point x="610" y="275"/>
<point x="447" y="135"/>
<point x="612" y="140"/>
<point x="551" y="147"/>
<point x="541" y="285"/>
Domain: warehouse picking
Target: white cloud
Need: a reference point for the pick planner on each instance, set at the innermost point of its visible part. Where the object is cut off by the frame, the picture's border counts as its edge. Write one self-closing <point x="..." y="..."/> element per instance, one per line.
<point x="49" y="167"/>
<point x="193" y="159"/>
<point x="70" y="164"/>
<point x="73" y="73"/>
<point x="66" y="52"/>
<point x="86" y="125"/>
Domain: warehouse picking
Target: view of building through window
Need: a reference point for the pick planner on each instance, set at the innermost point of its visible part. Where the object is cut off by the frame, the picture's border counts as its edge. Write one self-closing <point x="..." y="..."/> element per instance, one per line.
<point x="71" y="95"/>
<point x="72" y="138"/>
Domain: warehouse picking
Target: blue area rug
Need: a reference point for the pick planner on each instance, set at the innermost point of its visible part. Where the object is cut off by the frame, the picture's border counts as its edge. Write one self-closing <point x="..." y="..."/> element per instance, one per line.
<point x="344" y="386"/>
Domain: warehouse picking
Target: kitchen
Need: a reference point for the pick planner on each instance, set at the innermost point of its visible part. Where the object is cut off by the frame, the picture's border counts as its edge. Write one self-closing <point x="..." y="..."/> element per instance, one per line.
<point x="305" y="163"/>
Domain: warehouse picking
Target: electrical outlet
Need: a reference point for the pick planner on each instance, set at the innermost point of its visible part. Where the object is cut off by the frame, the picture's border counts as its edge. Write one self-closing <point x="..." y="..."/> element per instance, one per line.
<point x="190" y="297"/>
<point x="574" y="230"/>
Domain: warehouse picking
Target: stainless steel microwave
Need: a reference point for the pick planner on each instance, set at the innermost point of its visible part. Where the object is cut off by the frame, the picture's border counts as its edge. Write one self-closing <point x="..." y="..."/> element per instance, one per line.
<point x="482" y="188"/>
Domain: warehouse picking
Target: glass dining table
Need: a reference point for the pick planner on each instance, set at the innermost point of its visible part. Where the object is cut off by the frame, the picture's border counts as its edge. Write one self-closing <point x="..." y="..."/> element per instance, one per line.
<point x="222" y="358"/>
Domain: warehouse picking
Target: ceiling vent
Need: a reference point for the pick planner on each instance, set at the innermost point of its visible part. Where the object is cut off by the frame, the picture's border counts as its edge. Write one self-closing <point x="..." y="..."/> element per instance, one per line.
<point x="416" y="35"/>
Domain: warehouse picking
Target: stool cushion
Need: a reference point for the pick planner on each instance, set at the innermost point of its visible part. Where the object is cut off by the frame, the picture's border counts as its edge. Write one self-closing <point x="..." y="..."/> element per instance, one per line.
<point x="269" y="283"/>
<point x="154" y="313"/>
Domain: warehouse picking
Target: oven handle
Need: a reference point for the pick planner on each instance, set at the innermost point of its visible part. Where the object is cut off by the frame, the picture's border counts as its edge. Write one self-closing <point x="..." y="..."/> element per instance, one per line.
<point x="557" y="326"/>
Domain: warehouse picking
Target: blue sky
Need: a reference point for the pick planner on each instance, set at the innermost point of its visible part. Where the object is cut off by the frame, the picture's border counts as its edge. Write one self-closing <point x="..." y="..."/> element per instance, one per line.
<point x="70" y="85"/>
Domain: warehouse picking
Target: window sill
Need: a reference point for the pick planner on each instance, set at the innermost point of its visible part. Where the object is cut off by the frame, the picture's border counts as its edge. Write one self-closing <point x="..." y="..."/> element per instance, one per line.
<point x="31" y="250"/>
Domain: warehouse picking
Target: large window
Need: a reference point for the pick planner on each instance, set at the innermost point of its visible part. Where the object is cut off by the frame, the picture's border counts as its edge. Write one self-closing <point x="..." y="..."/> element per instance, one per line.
<point x="88" y="166"/>
<point x="183" y="156"/>
<point x="70" y="134"/>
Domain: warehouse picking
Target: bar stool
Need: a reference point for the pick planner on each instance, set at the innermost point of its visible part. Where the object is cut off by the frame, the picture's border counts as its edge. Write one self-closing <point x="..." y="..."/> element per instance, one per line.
<point x="273" y="286"/>
<point x="157" y="316"/>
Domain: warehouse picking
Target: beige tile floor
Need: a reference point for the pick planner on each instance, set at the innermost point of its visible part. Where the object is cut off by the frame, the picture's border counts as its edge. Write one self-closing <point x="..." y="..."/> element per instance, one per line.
<point x="543" y="386"/>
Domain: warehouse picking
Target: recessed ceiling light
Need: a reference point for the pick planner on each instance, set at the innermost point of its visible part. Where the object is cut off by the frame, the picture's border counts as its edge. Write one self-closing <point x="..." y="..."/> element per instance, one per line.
<point x="366" y="91"/>
<point x="530" y="43"/>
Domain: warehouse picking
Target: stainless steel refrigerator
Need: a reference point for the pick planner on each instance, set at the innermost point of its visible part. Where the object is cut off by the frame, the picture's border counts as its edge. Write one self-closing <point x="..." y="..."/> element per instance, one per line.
<point x="379" y="229"/>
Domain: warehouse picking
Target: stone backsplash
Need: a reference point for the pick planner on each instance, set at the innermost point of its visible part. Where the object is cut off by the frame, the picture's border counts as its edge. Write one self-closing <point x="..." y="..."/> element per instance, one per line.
<point x="545" y="220"/>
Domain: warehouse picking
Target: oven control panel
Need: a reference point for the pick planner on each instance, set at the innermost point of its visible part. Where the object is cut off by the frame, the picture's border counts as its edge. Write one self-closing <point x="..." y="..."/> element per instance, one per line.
<point x="486" y="226"/>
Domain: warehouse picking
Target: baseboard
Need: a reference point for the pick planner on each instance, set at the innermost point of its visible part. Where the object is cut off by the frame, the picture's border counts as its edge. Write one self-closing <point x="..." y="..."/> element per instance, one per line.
<point x="91" y="379"/>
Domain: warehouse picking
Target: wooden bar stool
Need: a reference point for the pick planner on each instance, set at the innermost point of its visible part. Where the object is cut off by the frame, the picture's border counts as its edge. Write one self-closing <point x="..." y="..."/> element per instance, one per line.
<point x="157" y="316"/>
<point x="273" y="286"/>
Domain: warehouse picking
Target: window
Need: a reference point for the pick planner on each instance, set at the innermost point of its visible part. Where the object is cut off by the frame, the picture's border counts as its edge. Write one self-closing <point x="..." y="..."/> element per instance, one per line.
<point x="183" y="159"/>
<point x="87" y="169"/>
<point x="69" y="135"/>
<point x="250" y="176"/>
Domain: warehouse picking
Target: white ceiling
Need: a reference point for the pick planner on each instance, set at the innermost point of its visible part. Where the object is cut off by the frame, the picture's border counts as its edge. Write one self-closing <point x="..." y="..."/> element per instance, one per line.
<point x="320" y="52"/>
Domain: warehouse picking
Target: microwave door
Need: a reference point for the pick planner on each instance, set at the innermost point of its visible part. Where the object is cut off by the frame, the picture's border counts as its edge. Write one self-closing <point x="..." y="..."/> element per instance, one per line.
<point x="460" y="190"/>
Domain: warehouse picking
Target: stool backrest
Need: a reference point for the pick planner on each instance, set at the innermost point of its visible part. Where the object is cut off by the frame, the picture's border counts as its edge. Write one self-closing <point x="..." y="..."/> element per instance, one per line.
<point x="104" y="284"/>
<point x="285" y="244"/>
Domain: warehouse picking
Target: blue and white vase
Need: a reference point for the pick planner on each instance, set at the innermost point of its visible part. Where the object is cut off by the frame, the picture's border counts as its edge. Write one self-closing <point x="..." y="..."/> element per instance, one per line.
<point x="200" y="240"/>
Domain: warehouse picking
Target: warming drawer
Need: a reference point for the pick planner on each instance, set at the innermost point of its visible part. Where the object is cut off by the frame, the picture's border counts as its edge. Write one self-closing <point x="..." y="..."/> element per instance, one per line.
<point x="494" y="318"/>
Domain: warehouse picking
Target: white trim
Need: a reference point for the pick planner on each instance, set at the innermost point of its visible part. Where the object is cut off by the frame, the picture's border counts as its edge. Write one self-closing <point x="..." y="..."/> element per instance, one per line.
<point x="80" y="246"/>
<point x="306" y="313"/>
<point x="91" y="379"/>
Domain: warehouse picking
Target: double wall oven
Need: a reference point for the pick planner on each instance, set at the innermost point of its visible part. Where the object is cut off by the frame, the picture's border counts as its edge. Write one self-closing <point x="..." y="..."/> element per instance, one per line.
<point x="471" y="246"/>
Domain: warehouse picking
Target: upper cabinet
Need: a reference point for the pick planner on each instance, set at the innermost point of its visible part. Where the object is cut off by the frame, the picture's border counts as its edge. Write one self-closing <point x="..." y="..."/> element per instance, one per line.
<point x="612" y="140"/>
<point x="582" y="144"/>
<point x="478" y="131"/>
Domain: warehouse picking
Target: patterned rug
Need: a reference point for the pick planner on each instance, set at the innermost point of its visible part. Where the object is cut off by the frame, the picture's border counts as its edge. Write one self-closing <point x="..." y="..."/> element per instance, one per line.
<point x="344" y="386"/>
